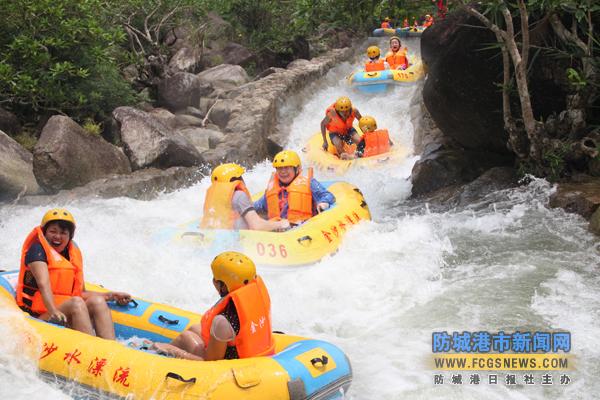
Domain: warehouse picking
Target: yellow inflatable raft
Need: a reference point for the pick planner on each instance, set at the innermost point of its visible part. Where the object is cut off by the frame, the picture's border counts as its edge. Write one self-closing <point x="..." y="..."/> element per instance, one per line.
<point x="300" y="369"/>
<point x="305" y="244"/>
<point x="326" y="161"/>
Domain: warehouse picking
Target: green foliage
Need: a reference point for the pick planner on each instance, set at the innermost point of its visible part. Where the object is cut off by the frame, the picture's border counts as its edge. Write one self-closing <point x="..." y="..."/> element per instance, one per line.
<point x="575" y="78"/>
<point x="60" y="55"/>
<point x="91" y="127"/>
<point x="554" y="161"/>
<point x="27" y="139"/>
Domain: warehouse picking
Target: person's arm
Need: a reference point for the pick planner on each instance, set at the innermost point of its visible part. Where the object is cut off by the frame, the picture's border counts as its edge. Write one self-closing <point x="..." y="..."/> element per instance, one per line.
<point x="324" y="123"/>
<point x="174" y="351"/>
<point x="260" y="205"/>
<point x="257" y="223"/>
<point x="39" y="269"/>
<point x="322" y="197"/>
<point x="121" y="298"/>
<point x="358" y="116"/>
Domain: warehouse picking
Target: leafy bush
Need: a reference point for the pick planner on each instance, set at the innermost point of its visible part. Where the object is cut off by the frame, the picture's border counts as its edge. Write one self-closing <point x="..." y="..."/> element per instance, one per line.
<point x="60" y="56"/>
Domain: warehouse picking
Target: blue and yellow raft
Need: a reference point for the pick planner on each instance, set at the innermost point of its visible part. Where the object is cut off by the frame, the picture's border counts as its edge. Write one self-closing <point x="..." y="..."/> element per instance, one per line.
<point x="378" y="81"/>
<point x="301" y="368"/>
<point x="389" y="32"/>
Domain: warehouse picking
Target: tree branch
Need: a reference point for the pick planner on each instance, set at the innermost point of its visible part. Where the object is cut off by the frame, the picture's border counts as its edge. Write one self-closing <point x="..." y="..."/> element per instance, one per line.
<point x="524" y="32"/>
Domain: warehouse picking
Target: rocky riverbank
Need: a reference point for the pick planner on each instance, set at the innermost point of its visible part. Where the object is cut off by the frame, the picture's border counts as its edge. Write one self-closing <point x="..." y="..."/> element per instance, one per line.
<point x="199" y="120"/>
<point x="460" y="134"/>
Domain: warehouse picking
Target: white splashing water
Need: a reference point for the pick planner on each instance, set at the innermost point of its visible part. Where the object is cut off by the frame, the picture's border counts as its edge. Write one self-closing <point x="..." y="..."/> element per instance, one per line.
<point x="506" y="263"/>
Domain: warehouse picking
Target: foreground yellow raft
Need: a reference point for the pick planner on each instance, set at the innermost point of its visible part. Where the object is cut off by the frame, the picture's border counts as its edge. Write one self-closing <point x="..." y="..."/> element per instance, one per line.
<point x="305" y="244"/>
<point x="300" y="369"/>
<point x="326" y="161"/>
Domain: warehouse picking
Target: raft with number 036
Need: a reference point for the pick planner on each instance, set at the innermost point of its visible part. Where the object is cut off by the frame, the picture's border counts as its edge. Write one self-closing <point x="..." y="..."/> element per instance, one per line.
<point x="300" y="368"/>
<point x="304" y="244"/>
<point x="327" y="161"/>
<point x="377" y="81"/>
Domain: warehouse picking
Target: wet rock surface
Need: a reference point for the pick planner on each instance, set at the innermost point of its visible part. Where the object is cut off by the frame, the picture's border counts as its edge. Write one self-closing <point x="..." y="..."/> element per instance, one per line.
<point x="16" y="169"/>
<point x="66" y="156"/>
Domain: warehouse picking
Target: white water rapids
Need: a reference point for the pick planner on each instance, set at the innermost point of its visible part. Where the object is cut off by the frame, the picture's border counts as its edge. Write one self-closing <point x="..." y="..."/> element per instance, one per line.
<point x="507" y="263"/>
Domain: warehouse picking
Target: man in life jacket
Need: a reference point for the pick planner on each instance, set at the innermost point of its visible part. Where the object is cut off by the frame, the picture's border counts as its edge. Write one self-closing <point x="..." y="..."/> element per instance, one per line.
<point x="338" y="121"/>
<point x="397" y="56"/>
<point x="228" y="204"/>
<point x="377" y="141"/>
<point x="428" y="21"/>
<point x="374" y="63"/>
<point x="291" y="195"/>
<point x="238" y="325"/>
<point x="51" y="285"/>
<point x="386" y="23"/>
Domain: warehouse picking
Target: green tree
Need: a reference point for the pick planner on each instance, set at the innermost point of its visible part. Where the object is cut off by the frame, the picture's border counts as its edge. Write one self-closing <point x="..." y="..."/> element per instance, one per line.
<point x="60" y="56"/>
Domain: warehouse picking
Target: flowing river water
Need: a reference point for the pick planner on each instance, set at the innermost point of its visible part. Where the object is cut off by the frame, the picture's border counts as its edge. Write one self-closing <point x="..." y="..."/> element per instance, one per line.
<point x="507" y="263"/>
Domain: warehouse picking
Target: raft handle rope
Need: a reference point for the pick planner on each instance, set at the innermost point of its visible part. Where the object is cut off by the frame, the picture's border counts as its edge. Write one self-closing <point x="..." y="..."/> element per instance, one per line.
<point x="173" y="375"/>
<point x="168" y="321"/>
<point x="303" y="239"/>
<point x="323" y="360"/>
<point x="135" y="303"/>
<point x="193" y="234"/>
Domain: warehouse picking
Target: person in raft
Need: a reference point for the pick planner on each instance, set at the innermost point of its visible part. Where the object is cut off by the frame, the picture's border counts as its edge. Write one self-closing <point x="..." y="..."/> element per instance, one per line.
<point x="228" y="204"/>
<point x="386" y="23"/>
<point x="375" y="62"/>
<point x="238" y="325"/>
<point x="377" y="141"/>
<point x="338" y="121"/>
<point x="397" y="56"/>
<point x="292" y="195"/>
<point x="51" y="285"/>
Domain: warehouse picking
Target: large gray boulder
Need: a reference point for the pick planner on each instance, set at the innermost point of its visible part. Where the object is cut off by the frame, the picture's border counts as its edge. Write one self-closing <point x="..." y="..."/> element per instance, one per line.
<point x="198" y="137"/>
<point x="148" y="142"/>
<point x="16" y="169"/>
<point x="236" y="54"/>
<point x="181" y="90"/>
<point x="186" y="59"/>
<point x="67" y="156"/>
<point x="224" y="76"/>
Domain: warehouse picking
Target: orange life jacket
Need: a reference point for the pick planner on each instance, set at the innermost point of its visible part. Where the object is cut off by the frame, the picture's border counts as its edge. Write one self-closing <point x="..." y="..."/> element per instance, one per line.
<point x="398" y="58"/>
<point x="253" y="306"/>
<point x="405" y="23"/>
<point x="376" y="142"/>
<point x="299" y="198"/>
<point x="378" y="65"/>
<point x="218" y="208"/>
<point x="385" y="24"/>
<point x="66" y="276"/>
<point x="337" y="124"/>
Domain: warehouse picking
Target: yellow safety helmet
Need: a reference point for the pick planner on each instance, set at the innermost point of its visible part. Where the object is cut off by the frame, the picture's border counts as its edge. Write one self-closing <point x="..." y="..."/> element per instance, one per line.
<point x="386" y="19"/>
<point x="286" y="158"/>
<point x="373" y="51"/>
<point x="58" y="214"/>
<point x="233" y="269"/>
<point x="227" y="172"/>
<point x="367" y="124"/>
<point x="343" y="104"/>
